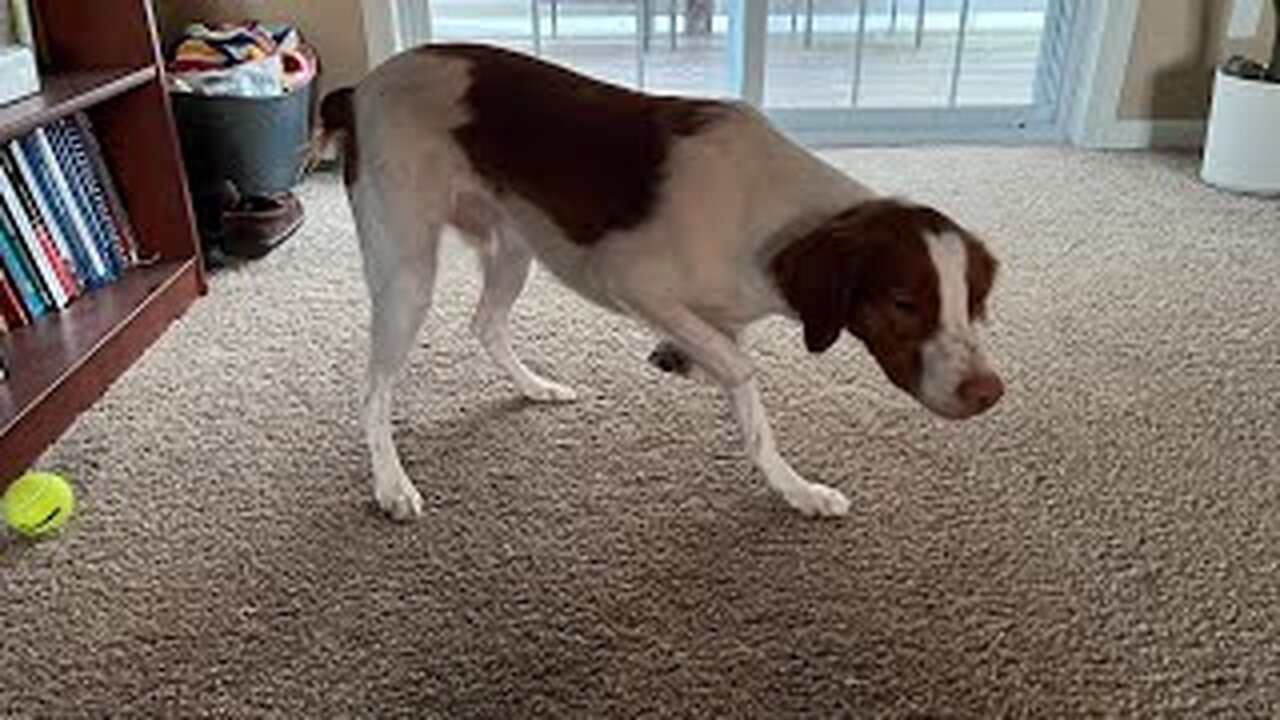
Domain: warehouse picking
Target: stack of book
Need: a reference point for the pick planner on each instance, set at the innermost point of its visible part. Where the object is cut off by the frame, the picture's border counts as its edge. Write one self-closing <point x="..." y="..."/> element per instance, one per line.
<point x="63" y="230"/>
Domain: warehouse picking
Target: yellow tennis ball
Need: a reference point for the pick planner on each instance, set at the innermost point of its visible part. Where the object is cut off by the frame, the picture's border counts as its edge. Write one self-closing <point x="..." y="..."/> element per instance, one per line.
<point x="38" y="504"/>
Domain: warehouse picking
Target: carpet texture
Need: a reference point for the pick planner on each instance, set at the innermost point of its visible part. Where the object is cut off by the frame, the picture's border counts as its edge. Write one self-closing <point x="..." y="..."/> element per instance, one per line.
<point x="1107" y="541"/>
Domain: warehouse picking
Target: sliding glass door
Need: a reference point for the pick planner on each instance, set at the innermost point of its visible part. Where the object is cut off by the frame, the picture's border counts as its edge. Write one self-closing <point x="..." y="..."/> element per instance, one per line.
<point x="904" y="53"/>
<point x="669" y="46"/>
<point x="827" y="70"/>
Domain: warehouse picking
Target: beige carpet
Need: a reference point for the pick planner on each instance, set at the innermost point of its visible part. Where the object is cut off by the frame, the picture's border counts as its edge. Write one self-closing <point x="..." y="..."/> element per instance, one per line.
<point x="1106" y="542"/>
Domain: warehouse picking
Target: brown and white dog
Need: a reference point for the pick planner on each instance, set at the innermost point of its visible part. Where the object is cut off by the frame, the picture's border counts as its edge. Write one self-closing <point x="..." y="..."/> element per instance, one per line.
<point x="694" y="216"/>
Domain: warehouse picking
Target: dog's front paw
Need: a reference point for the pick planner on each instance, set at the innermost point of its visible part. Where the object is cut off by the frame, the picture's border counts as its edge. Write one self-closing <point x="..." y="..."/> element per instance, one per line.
<point x="548" y="391"/>
<point x="817" y="500"/>
<point x="398" y="498"/>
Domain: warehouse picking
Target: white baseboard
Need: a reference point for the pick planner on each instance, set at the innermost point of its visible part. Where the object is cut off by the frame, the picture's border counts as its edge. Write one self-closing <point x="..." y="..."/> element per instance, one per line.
<point x="1138" y="134"/>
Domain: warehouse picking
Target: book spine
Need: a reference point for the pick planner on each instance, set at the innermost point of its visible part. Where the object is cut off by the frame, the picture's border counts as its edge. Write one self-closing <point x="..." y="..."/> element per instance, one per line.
<point x="120" y="219"/>
<point x="49" y="207"/>
<point x="80" y="179"/>
<point x="44" y="223"/>
<point x="29" y="230"/>
<point x="18" y="270"/>
<point x="80" y="176"/>
<point x="41" y="300"/>
<point x="12" y="314"/>
<point x="77" y="229"/>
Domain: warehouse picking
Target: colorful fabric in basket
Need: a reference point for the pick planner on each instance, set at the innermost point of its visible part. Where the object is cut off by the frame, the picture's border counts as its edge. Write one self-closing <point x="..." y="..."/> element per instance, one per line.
<point x="251" y="59"/>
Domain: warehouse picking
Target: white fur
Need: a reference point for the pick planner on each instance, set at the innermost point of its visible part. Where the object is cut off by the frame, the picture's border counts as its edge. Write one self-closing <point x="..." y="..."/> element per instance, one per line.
<point x="954" y="352"/>
<point x="696" y="271"/>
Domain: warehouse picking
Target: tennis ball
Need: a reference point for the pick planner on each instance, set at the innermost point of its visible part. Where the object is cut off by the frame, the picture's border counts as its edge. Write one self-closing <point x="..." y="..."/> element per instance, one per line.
<point x="38" y="504"/>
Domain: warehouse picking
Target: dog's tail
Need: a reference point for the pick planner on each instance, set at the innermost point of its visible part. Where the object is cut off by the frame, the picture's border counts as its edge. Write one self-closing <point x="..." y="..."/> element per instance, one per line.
<point x="337" y="129"/>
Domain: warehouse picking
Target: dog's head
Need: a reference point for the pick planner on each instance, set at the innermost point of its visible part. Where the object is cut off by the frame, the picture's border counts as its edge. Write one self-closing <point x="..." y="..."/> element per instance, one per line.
<point x="911" y="284"/>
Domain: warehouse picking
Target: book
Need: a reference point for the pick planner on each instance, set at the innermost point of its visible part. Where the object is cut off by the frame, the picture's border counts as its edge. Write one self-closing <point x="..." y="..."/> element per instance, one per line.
<point x="63" y="228"/>
<point x="43" y="223"/>
<point x="12" y="313"/>
<point x="19" y="270"/>
<point x="34" y="240"/>
<point x="87" y="141"/>
<point x="83" y="186"/>
<point x="49" y="207"/>
<point x="52" y="168"/>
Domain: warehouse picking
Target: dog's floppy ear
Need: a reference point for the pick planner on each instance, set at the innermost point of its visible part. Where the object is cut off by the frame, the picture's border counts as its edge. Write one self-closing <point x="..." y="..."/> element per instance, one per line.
<point x="813" y="274"/>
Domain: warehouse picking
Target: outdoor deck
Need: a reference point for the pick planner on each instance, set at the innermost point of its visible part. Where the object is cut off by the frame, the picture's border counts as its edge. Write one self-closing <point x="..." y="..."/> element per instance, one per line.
<point x="803" y="70"/>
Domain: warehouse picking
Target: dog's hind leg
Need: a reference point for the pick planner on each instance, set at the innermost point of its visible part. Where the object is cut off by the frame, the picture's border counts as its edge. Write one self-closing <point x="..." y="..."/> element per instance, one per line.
<point x="670" y="358"/>
<point x="400" y="268"/>
<point x="506" y="261"/>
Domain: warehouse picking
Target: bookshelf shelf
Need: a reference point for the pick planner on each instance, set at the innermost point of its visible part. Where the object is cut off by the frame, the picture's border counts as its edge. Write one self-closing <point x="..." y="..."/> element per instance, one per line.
<point x="62" y="362"/>
<point x="105" y="62"/>
<point x="68" y="92"/>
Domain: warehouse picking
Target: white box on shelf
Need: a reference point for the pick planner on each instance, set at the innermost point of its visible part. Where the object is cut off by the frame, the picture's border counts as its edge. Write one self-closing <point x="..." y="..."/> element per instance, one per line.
<point x="18" y="75"/>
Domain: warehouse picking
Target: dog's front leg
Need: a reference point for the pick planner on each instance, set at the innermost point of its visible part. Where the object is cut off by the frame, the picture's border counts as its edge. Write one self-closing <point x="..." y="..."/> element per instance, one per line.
<point x="807" y="497"/>
<point x="720" y="357"/>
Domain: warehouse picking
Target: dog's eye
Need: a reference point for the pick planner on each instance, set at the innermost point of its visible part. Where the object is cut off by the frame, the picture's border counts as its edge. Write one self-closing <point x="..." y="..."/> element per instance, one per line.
<point x="905" y="305"/>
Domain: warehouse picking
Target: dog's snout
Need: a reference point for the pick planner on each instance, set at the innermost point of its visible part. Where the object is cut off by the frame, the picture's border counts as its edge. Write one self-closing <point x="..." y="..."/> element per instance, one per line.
<point x="980" y="391"/>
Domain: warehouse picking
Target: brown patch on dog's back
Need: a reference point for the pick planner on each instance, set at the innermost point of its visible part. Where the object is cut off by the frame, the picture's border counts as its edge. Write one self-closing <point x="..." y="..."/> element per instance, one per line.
<point x="591" y="155"/>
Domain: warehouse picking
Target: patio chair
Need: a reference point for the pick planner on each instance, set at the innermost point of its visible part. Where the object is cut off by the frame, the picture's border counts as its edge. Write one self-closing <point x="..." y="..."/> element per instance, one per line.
<point x="893" y="19"/>
<point x="644" y="17"/>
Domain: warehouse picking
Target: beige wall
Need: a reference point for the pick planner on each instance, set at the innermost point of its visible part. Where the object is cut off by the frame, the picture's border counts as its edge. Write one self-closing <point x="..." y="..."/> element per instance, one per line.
<point x="1176" y="46"/>
<point x="335" y="28"/>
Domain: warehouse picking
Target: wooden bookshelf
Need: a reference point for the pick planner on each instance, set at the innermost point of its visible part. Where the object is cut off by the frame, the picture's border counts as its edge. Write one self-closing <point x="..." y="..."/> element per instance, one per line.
<point x="69" y="92"/>
<point x="106" y="61"/>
